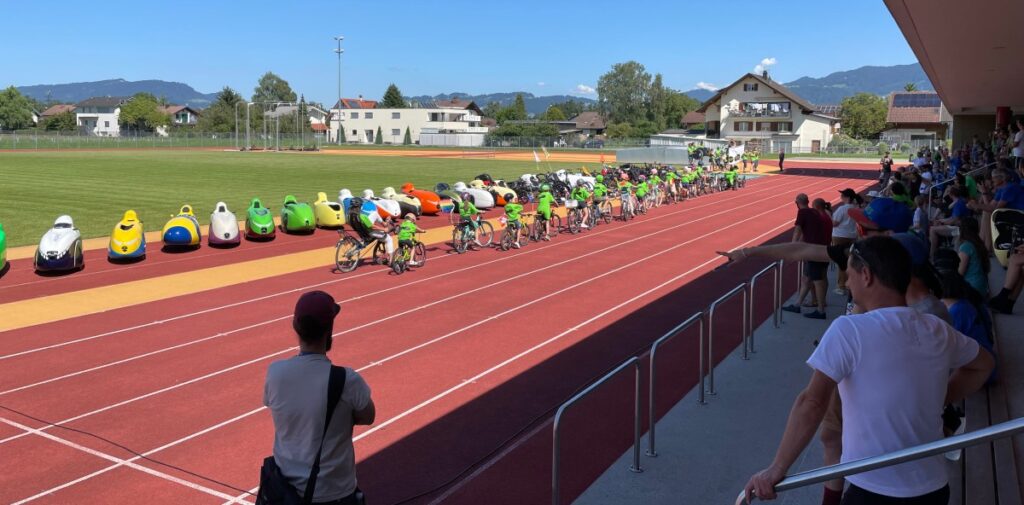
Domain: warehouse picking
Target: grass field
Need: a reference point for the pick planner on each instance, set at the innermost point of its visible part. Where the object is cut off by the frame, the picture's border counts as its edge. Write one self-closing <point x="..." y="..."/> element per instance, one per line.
<point x="95" y="188"/>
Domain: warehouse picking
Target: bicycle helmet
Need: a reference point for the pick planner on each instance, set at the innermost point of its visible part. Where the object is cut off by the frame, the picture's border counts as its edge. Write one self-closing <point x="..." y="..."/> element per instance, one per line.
<point x="625" y="176"/>
<point x="466" y="197"/>
<point x="410" y="216"/>
<point x="643" y="178"/>
<point x="600" y="178"/>
<point x="510" y="197"/>
<point x="580" y="183"/>
<point x="654" y="171"/>
<point x="545" y="187"/>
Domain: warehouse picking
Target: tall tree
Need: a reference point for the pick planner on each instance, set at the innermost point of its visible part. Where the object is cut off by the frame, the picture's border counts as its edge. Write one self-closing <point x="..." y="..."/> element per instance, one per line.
<point x="491" y="110"/>
<point x="623" y="94"/>
<point x="64" y="122"/>
<point x="219" y="117"/>
<point x="553" y="114"/>
<point x="657" y="102"/>
<point x="141" y="113"/>
<point x="272" y="88"/>
<point x="676" y="106"/>
<point x="393" y="98"/>
<point x="15" y="110"/>
<point x="520" y="107"/>
<point x="571" y="108"/>
<point x="379" y="138"/>
<point x="408" y="137"/>
<point x="910" y="87"/>
<point x="863" y="115"/>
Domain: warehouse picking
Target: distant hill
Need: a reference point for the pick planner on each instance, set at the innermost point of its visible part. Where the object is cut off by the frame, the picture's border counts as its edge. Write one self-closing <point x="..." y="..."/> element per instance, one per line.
<point x="838" y="85"/>
<point x="174" y="92"/>
<point x="534" y="104"/>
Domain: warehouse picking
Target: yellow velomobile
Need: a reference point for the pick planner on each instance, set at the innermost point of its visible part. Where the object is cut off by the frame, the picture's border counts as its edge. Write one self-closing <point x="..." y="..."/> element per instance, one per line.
<point x="182" y="230"/>
<point x="328" y="214"/>
<point x="128" y="240"/>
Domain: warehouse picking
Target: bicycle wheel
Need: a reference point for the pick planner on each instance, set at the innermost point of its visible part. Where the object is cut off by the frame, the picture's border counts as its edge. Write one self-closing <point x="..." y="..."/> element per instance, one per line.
<point x="484" y="234"/>
<point x="346" y="254"/>
<point x="380" y="254"/>
<point x="398" y="266"/>
<point x="572" y="221"/>
<point x="606" y="212"/>
<point x="419" y="254"/>
<point x="537" y="231"/>
<point x="458" y="240"/>
<point x="523" y="237"/>
<point x="556" y="225"/>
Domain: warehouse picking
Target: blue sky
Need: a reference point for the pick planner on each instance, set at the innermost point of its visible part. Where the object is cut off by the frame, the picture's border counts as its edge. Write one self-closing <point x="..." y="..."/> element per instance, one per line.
<point x="542" y="47"/>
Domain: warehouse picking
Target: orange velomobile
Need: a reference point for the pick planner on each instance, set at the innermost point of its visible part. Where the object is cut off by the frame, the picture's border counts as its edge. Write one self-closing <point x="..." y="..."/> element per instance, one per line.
<point x="430" y="203"/>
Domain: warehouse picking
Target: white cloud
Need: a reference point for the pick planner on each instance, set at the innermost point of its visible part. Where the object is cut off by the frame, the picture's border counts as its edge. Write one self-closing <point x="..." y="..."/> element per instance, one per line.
<point x="765" y="63"/>
<point x="541" y="84"/>
<point x="707" y="86"/>
<point x="585" y="90"/>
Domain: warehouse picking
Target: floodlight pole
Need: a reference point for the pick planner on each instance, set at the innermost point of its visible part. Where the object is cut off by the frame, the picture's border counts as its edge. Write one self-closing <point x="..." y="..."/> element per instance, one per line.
<point x="339" y="51"/>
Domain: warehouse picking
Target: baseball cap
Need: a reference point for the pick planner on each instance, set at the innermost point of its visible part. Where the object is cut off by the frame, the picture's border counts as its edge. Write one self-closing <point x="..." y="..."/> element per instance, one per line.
<point x="848" y="193"/>
<point x="884" y="214"/>
<point x="317" y="306"/>
<point x="915" y="246"/>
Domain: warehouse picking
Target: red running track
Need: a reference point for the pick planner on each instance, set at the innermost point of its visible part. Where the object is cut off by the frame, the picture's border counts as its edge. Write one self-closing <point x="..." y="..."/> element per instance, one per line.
<point x="464" y="357"/>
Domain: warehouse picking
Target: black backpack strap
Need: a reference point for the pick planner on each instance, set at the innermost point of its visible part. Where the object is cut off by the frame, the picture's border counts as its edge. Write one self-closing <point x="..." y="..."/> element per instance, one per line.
<point x="335" y="385"/>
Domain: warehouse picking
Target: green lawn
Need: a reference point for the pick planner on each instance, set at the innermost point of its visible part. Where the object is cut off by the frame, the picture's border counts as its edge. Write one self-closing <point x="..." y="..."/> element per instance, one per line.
<point x="95" y="188"/>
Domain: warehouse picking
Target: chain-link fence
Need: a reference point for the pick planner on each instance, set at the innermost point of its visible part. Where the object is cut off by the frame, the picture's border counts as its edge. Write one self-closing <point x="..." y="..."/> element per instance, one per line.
<point x="141" y="140"/>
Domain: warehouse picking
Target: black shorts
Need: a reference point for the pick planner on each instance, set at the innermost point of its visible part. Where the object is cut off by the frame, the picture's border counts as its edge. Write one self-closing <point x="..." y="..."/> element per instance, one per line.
<point x="407" y="243"/>
<point x="815" y="270"/>
<point x="859" y="496"/>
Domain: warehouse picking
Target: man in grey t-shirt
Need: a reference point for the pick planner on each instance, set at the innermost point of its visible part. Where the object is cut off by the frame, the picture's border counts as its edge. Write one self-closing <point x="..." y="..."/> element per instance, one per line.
<point x="296" y="393"/>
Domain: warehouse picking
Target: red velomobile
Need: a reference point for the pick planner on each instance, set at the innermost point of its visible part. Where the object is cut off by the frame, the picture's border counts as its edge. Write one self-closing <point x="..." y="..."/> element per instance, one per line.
<point x="430" y="203"/>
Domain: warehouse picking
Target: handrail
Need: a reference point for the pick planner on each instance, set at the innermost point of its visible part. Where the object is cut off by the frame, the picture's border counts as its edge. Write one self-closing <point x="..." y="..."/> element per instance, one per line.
<point x="698" y="317"/>
<point x="935" y="185"/>
<point x="711" y="333"/>
<point x="748" y="340"/>
<point x="555" y="446"/>
<point x="802" y="479"/>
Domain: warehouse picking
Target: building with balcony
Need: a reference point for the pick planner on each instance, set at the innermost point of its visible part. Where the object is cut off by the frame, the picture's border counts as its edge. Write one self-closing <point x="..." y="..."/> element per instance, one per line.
<point x="98" y="115"/>
<point x="763" y="114"/>
<point x="446" y="122"/>
<point x="917" y="118"/>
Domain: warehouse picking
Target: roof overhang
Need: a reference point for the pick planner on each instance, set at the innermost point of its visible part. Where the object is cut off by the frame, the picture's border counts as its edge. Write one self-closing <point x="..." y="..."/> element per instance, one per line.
<point x="976" y="67"/>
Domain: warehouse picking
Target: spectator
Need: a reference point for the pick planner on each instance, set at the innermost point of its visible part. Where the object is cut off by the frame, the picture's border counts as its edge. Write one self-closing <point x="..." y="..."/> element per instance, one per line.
<point x="812" y="226"/>
<point x="782" y="158"/>
<point x="924" y="289"/>
<point x="886" y="173"/>
<point x="1008" y="195"/>
<point x="949" y="226"/>
<point x="1018" y="146"/>
<point x="890" y="366"/>
<point x="974" y="264"/>
<point x="844" y="230"/>
<point x="1012" y="285"/>
<point x="899" y="193"/>
<point x="920" y="223"/>
<point x="295" y="392"/>
<point x="967" y="310"/>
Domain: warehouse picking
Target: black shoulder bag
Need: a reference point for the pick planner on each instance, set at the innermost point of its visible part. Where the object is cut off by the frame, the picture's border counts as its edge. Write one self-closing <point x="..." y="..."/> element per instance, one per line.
<point x="274" y="486"/>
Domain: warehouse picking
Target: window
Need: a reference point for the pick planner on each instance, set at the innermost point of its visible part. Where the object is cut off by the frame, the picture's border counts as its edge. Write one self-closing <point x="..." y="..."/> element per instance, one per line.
<point x="396" y="115"/>
<point x="743" y="126"/>
<point x="395" y="132"/>
<point x="355" y="133"/>
<point x="355" y="115"/>
<point x="368" y="115"/>
<point x="106" y="124"/>
<point x="750" y="87"/>
<point x="784" y="126"/>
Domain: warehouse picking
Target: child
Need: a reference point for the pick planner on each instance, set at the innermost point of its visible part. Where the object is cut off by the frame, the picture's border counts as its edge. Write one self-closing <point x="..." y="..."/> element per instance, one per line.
<point x="512" y="211"/>
<point x="407" y="235"/>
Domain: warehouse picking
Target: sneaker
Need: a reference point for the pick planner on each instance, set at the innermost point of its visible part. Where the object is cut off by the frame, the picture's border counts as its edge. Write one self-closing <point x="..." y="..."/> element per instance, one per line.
<point x="791" y="308"/>
<point x="584" y="225"/>
<point x="817" y="314"/>
<point x="516" y="245"/>
<point x="546" y="238"/>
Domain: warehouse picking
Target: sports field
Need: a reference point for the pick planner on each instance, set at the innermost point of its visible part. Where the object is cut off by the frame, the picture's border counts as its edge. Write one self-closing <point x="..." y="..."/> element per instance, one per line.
<point x="95" y="188"/>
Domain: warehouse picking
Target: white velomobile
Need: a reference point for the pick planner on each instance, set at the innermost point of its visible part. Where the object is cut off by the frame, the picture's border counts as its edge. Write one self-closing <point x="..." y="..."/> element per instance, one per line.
<point x="223" y="226"/>
<point x="386" y="208"/>
<point x="571" y="178"/>
<point x="60" y="249"/>
<point x="407" y="203"/>
<point x="482" y="199"/>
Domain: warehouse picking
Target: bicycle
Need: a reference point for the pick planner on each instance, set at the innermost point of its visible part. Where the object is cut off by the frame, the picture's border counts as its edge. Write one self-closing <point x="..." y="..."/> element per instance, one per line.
<point x="465" y="235"/>
<point x="626" y="208"/>
<point x="601" y="211"/>
<point x="407" y="256"/>
<point x="349" y="251"/>
<point x="537" y="232"/>
<point x="515" y="235"/>
<point x="574" y="218"/>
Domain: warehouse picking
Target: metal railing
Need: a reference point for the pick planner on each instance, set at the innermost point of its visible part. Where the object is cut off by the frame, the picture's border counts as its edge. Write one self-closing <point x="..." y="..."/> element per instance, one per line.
<point x="998" y="431"/>
<point x="742" y="289"/>
<point x="775" y="268"/>
<point x="942" y="184"/>
<point x="696" y="318"/>
<point x="556" y="433"/>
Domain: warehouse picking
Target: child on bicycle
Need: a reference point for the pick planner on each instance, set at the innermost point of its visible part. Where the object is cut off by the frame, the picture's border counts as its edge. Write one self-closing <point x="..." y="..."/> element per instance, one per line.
<point x="544" y="201"/>
<point x="600" y="193"/>
<point x="407" y="235"/>
<point x="368" y="229"/>
<point x="655" y="186"/>
<point x="625" y="190"/>
<point x="670" y="182"/>
<point x="468" y="212"/>
<point x="512" y="212"/>
<point x="581" y="195"/>
<point x="642" y="189"/>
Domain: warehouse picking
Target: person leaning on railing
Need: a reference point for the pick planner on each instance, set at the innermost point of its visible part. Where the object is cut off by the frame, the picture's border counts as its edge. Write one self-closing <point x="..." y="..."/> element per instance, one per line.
<point x="890" y="366"/>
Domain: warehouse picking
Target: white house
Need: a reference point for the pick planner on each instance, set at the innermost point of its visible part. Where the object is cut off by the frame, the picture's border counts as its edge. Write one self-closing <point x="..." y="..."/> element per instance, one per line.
<point x="446" y="122"/>
<point x="98" y="115"/>
<point x="180" y="114"/>
<point x="765" y="115"/>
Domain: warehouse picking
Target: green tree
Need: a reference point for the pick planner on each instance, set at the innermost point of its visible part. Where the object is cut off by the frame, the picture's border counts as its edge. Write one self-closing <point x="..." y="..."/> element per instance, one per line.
<point x="408" y="137"/>
<point x="15" y="110"/>
<point x="519" y="107"/>
<point x="491" y="110"/>
<point x="553" y="114"/>
<point x="64" y="122"/>
<point x="393" y="99"/>
<point x="341" y="134"/>
<point x="910" y="87"/>
<point x="141" y="113"/>
<point x="571" y="108"/>
<point x="677" y="105"/>
<point x="526" y="130"/>
<point x="623" y="94"/>
<point x="619" y="130"/>
<point x="863" y="115"/>
<point x="379" y="138"/>
<point x="219" y="117"/>
<point x="272" y="88"/>
<point x="657" y="102"/>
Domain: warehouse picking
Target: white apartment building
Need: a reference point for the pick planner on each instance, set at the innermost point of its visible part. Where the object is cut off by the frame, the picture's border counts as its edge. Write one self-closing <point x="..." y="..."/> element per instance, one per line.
<point x="98" y="115"/>
<point x="449" y="122"/>
<point x="765" y="115"/>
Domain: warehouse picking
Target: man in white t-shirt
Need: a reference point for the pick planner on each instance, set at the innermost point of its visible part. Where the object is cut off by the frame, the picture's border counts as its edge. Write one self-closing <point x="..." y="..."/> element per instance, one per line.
<point x="296" y="393"/>
<point x="1018" y="145"/>
<point x="891" y="366"/>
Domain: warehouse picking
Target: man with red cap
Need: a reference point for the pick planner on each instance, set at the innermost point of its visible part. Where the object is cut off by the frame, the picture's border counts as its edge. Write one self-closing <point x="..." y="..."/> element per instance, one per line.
<point x="297" y="392"/>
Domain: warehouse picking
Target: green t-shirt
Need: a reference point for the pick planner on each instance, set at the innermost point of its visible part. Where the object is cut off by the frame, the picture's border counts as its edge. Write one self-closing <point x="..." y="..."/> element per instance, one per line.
<point x="641" y="189"/>
<point x="655" y="180"/>
<point x="671" y="176"/>
<point x="467" y="209"/>
<point x="730" y="175"/>
<point x="905" y="200"/>
<point x="625" y="186"/>
<point x="512" y="211"/>
<point x="366" y="222"/>
<point x="600" y="190"/>
<point x="972" y="187"/>
<point x="406" y="230"/>
<point x="544" y="200"/>
<point x="580" y="193"/>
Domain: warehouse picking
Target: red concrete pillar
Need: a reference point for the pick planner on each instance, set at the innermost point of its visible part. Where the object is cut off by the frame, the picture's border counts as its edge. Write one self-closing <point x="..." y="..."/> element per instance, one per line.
<point x="1002" y="117"/>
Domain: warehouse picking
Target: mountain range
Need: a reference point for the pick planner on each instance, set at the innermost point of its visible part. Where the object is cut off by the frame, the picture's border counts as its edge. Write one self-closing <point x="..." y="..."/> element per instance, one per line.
<point x="830" y="89"/>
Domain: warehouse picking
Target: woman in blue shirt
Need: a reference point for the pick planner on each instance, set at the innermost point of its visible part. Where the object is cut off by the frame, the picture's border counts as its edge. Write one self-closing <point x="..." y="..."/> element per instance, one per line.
<point x="974" y="264"/>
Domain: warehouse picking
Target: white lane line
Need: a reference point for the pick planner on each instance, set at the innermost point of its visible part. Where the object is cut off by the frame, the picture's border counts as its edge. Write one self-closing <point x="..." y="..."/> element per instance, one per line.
<point x="355" y="276"/>
<point x="380" y="292"/>
<point x="237" y="498"/>
<point x="191" y="485"/>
